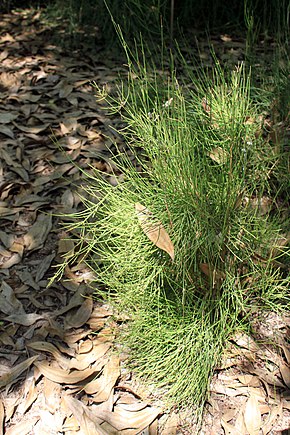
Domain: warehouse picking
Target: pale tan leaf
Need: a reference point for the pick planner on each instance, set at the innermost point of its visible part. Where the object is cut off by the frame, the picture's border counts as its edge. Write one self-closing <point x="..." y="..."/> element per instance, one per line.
<point x="252" y="416"/>
<point x="222" y="389"/>
<point x="154" y="230"/>
<point x="229" y="429"/>
<point x="88" y="425"/>
<point x="83" y="360"/>
<point x="240" y="422"/>
<point x="38" y="233"/>
<point x="275" y="412"/>
<point x="82" y="315"/>
<point x="10" y="404"/>
<point x="267" y="376"/>
<point x="85" y="346"/>
<point x="286" y="404"/>
<point x="244" y="340"/>
<point x="9" y="261"/>
<point x="230" y="414"/>
<point x="285" y="372"/>
<point x="58" y="375"/>
<point x="249" y="380"/>
<point x="16" y="371"/>
<point x="30" y="396"/>
<point x="105" y="383"/>
<point x="23" y="428"/>
<point x="218" y="155"/>
<point x="52" y="395"/>
<point x="2" y="415"/>
<point x="121" y="419"/>
<point x="171" y="425"/>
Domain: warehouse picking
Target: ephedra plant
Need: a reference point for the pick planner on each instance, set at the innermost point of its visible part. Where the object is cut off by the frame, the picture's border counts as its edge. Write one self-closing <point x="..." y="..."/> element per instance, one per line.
<point x="189" y="243"/>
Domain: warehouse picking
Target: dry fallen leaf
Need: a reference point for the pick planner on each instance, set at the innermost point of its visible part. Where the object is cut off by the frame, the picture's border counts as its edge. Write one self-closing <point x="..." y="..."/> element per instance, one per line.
<point x="229" y="429"/>
<point x="58" y="375"/>
<point x="121" y="419"/>
<point x="82" y="315"/>
<point x="285" y="372"/>
<point x="38" y="233"/>
<point x="44" y="346"/>
<point x="30" y="395"/>
<point x="16" y="371"/>
<point x="2" y="415"/>
<point x="24" y="319"/>
<point x="52" y="395"/>
<point x="103" y="386"/>
<point x="84" y="417"/>
<point x="275" y="412"/>
<point x="252" y="416"/>
<point x="154" y="230"/>
<point x="83" y="360"/>
<point x="23" y="428"/>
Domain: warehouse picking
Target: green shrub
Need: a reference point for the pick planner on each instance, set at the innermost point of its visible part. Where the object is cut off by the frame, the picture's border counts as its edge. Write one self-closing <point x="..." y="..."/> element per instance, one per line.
<point x="203" y="172"/>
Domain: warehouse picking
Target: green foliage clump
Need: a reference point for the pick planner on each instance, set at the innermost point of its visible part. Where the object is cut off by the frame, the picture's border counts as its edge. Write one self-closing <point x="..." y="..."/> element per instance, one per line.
<point x="201" y="173"/>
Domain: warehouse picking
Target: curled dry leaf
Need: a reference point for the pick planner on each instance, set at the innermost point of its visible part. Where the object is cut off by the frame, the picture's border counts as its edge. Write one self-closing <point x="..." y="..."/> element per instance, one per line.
<point x="44" y="346"/>
<point x="121" y="419"/>
<point x="16" y="371"/>
<point x="105" y="383"/>
<point x="154" y="230"/>
<point x="85" y="418"/>
<point x="60" y="376"/>
<point x="83" y="360"/>
<point x="171" y="425"/>
<point x="82" y="315"/>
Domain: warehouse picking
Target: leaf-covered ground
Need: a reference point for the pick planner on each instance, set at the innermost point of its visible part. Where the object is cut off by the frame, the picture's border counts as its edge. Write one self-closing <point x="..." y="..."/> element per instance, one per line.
<point x="58" y="371"/>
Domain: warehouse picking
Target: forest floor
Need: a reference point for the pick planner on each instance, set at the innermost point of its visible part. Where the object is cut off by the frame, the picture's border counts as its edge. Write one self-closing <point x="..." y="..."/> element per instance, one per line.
<point x="59" y="373"/>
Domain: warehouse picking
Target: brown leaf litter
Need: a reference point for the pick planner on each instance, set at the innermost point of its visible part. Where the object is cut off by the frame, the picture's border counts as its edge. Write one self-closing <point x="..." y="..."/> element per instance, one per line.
<point x="58" y="371"/>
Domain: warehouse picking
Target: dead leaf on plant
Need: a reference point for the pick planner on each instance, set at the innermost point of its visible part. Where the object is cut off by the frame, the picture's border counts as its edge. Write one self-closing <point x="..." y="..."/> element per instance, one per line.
<point x="218" y="155"/>
<point x="154" y="230"/>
